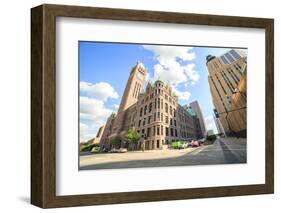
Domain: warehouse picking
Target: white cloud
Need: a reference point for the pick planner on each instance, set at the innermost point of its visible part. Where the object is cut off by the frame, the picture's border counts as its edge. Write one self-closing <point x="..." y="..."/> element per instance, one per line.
<point x="174" y="67"/>
<point x="116" y="106"/>
<point x="191" y="73"/>
<point x="167" y="53"/>
<point x="172" y="73"/>
<point x="86" y="132"/>
<point x="210" y="123"/>
<point x="94" y="110"/>
<point x="101" y="91"/>
<point x="92" y="107"/>
<point x="182" y="95"/>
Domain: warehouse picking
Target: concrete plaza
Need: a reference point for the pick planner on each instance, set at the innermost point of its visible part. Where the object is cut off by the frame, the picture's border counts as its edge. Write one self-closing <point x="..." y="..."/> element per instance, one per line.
<point x="222" y="151"/>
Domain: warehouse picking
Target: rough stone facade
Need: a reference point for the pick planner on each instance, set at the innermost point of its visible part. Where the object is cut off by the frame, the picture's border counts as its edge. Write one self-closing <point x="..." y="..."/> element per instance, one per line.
<point x="153" y="112"/>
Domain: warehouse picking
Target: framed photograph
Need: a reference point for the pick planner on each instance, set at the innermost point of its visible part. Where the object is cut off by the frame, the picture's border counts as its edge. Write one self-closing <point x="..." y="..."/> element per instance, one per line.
<point x="139" y="106"/>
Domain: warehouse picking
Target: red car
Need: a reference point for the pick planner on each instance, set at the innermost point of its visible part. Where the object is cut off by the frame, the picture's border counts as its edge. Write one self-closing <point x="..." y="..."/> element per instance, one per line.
<point x="195" y="144"/>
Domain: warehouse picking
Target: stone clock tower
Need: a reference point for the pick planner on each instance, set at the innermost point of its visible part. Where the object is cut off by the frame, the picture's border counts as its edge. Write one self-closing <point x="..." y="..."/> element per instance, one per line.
<point x="134" y="86"/>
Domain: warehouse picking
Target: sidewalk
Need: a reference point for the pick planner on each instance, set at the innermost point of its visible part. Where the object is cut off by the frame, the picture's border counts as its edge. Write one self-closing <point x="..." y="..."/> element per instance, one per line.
<point x="238" y="141"/>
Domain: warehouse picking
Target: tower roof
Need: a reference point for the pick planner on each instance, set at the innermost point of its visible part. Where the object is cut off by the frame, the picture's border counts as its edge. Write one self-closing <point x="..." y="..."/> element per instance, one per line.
<point x="141" y="64"/>
<point x="209" y="58"/>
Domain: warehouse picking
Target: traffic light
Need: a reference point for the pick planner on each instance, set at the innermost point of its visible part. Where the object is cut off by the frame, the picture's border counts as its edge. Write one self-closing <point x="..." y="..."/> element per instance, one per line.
<point x="216" y="113"/>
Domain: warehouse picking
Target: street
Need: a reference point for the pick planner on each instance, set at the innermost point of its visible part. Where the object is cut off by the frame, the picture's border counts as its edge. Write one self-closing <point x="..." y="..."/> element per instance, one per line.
<point x="222" y="151"/>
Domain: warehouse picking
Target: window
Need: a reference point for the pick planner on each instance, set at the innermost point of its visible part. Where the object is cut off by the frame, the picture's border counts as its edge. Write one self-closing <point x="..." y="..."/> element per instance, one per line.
<point x="224" y="60"/>
<point x="171" y="110"/>
<point x="175" y="122"/>
<point x="154" y="116"/>
<point x="158" y="116"/>
<point x="171" y="121"/>
<point x="166" y="119"/>
<point x="161" y="103"/>
<point x="139" y="123"/>
<point x="153" y="130"/>
<point x="166" y="107"/>
<point x="220" y="84"/>
<point x="148" y="132"/>
<point x="175" y="114"/>
<point x="145" y="109"/>
<point x="158" y="130"/>
<point x="149" y="119"/>
<point x="143" y="123"/>
<point x="140" y="112"/>
<point x="229" y="84"/>
<point x="150" y="108"/>
<point x="135" y="89"/>
<point x="229" y="57"/>
<point x="172" y="132"/>
<point x="233" y="75"/>
<point x="161" y="130"/>
<point x="155" y="103"/>
<point x="176" y="133"/>
<point x="161" y="116"/>
<point x="158" y="103"/>
<point x="167" y="131"/>
<point x="235" y="54"/>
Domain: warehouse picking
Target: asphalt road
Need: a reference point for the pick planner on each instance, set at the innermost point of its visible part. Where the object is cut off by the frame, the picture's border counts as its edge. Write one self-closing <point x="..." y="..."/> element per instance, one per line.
<point x="222" y="151"/>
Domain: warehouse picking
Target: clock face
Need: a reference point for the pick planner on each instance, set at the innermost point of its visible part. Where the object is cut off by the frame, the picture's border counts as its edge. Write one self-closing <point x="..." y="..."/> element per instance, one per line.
<point x="140" y="76"/>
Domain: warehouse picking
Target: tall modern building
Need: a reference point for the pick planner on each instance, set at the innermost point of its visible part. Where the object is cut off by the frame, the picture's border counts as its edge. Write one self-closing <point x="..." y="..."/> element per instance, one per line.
<point x="153" y="111"/>
<point x="227" y="81"/>
<point x="196" y="121"/>
<point x="196" y="108"/>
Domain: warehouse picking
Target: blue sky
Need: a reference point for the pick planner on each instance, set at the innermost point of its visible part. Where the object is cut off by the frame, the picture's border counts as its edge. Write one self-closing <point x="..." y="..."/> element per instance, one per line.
<point x="104" y="69"/>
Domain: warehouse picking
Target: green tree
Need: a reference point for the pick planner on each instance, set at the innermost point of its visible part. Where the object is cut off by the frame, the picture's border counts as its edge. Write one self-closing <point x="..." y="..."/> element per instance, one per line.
<point x="116" y="141"/>
<point x="133" y="136"/>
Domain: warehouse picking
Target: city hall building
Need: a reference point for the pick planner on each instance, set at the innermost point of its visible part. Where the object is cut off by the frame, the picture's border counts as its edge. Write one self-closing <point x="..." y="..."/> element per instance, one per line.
<point x="153" y="111"/>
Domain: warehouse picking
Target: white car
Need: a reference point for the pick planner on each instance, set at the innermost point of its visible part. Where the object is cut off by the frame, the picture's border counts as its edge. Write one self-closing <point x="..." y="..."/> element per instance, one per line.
<point x="184" y="145"/>
<point x="121" y="150"/>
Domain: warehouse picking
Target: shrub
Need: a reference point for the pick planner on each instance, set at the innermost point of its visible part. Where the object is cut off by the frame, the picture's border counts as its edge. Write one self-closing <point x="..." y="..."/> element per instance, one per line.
<point x="116" y="141"/>
<point x="87" y="148"/>
<point x="211" y="137"/>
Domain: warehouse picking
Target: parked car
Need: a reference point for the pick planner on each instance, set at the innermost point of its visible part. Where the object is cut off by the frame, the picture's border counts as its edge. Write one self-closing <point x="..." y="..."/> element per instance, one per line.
<point x="96" y="149"/>
<point x="113" y="150"/>
<point x="201" y="141"/>
<point x="189" y="144"/>
<point x="195" y="143"/>
<point x="177" y="145"/>
<point x="184" y="145"/>
<point x="121" y="150"/>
